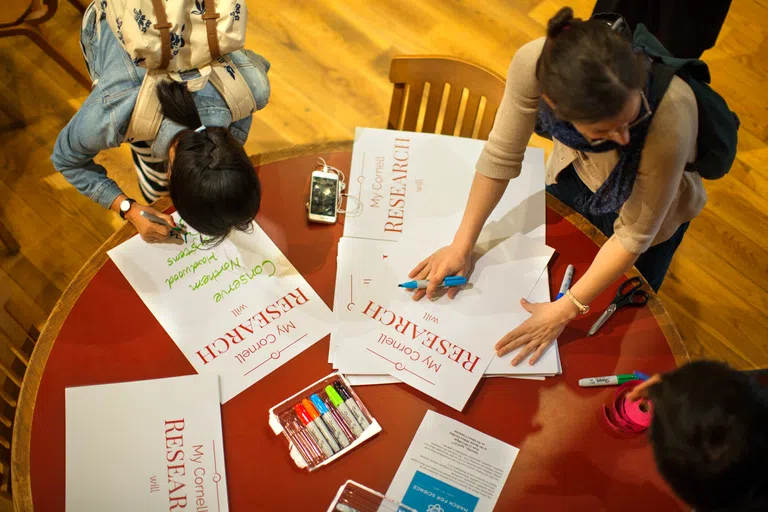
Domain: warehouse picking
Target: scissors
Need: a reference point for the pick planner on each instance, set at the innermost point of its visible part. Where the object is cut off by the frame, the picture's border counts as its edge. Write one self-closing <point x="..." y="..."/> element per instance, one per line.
<point x="629" y="294"/>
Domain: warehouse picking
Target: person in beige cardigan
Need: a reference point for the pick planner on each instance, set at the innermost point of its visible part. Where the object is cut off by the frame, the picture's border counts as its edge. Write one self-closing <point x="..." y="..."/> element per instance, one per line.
<point x="619" y="159"/>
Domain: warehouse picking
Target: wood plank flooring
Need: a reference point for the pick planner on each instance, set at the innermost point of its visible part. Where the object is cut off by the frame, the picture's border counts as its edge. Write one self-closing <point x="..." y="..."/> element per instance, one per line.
<point x="330" y="62"/>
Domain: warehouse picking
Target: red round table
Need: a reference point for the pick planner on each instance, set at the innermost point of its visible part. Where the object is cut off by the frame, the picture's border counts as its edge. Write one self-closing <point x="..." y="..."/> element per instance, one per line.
<point x="101" y="332"/>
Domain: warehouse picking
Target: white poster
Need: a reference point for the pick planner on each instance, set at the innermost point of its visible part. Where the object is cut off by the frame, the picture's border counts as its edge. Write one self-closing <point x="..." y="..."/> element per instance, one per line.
<point x="440" y="347"/>
<point x="151" y="445"/>
<point x="451" y="467"/>
<point x="548" y="365"/>
<point x="238" y="310"/>
<point x="416" y="185"/>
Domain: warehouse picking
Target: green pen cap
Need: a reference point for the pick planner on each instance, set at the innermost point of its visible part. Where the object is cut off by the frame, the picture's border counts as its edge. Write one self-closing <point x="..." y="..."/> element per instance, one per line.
<point x="626" y="377"/>
<point x="336" y="400"/>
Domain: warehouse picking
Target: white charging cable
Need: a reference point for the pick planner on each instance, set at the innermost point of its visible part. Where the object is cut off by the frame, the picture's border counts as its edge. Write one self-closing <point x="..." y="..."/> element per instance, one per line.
<point x="358" y="209"/>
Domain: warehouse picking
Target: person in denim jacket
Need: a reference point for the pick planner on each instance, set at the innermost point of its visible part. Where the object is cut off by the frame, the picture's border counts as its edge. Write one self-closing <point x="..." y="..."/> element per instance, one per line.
<point x="214" y="187"/>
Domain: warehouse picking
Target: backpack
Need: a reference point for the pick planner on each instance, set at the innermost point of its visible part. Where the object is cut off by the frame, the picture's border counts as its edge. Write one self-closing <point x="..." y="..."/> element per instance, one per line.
<point x="718" y="125"/>
<point x="182" y="40"/>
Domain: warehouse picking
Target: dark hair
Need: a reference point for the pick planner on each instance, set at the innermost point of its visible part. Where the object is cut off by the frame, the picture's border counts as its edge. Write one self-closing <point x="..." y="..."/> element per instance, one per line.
<point x="710" y="437"/>
<point x="586" y="69"/>
<point x="212" y="182"/>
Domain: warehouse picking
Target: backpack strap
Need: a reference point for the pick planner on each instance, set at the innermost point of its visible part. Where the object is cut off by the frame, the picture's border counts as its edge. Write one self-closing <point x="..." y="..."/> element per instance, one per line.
<point x="210" y="18"/>
<point x="228" y="80"/>
<point x="662" y="77"/>
<point x="225" y="77"/>
<point x="165" y="33"/>
<point x="147" y="114"/>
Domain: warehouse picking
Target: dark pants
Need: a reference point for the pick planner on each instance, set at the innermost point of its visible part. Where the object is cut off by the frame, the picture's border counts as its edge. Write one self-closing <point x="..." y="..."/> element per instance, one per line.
<point x="653" y="263"/>
<point x="685" y="27"/>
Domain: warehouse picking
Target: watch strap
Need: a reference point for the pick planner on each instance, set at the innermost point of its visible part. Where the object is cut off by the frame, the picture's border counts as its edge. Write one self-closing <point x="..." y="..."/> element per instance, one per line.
<point x="583" y="308"/>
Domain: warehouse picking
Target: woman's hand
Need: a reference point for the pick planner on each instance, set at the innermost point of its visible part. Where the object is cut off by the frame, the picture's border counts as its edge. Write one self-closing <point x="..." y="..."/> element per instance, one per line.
<point x="547" y="321"/>
<point x="451" y="260"/>
<point x="151" y="231"/>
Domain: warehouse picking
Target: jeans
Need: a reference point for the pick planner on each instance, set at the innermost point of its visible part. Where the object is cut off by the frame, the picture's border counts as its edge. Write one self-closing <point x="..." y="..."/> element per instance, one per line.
<point x="653" y="263"/>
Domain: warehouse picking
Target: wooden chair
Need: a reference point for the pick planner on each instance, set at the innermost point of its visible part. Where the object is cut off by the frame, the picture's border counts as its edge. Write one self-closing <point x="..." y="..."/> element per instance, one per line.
<point x="25" y="18"/>
<point x="435" y="94"/>
<point x="16" y="344"/>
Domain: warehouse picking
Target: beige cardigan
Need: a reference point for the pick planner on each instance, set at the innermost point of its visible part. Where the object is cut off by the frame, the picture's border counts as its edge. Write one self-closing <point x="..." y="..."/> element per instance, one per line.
<point x="664" y="195"/>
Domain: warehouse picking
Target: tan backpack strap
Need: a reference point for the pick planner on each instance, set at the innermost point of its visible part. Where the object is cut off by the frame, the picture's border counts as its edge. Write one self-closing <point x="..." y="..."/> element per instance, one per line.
<point x="236" y="93"/>
<point x="210" y="18"/>
<point x="165" y="33"/>
<point x="147" y="114"/>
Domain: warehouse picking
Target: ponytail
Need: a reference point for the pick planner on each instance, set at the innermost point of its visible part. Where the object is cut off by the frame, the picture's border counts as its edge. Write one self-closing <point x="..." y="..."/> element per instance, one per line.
<point x="177" y="104"/>
<point x="559" y="22"/>
<point x="212" y="183"/>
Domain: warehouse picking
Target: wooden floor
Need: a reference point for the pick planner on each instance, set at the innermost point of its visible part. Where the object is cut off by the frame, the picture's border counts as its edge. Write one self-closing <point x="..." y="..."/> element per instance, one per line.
<point x="330" y="61"/>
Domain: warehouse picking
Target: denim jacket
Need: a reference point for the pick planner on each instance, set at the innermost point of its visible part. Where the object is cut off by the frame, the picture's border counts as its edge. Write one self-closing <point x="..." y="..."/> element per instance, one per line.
<point x="102" y="121"/>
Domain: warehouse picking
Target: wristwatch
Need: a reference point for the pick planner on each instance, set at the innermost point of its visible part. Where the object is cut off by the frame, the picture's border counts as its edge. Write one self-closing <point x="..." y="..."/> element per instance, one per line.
<point x="583" y="308"/>
<point x="125" y="205"/>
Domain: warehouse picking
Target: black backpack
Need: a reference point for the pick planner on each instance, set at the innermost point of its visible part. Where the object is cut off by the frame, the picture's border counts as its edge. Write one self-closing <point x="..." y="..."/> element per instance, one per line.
<point x="718" y="125"/>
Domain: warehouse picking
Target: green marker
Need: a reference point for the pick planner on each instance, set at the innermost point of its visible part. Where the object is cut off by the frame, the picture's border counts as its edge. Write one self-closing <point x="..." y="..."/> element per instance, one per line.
<point x="354" y="408"/>
<point x="610" y="380"/>
<point x="340" y="406"/>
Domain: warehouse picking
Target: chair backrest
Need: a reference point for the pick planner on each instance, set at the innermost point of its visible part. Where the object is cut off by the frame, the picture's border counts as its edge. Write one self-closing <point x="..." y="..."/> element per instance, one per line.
<point x="435" y="94"/>
<point x="16" y="344"/>
<point x="16" y="12"/>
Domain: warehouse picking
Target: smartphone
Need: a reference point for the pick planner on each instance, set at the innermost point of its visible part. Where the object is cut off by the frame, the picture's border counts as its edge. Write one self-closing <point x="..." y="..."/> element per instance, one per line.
<point x="323" y="197"/>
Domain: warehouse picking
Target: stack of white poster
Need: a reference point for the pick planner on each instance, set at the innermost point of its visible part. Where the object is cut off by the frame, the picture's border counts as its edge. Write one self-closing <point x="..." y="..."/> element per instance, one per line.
<point x="152" y="445"/>
<point x="413" y="188"/>
<point x="239" y="309"/>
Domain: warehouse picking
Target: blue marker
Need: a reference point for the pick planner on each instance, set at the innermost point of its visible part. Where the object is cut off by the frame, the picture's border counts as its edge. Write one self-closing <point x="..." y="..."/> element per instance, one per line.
<point x="566" y="281"/>
<point x="422" y="283"/>
<point x="329" y="420"/>
<point x="641" y="375"/>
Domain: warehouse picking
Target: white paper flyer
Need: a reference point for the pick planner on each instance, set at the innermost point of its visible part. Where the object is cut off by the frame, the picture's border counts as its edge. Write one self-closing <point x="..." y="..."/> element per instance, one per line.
<point x="452" y="468"/>
<point x="151" y="445"/>
<point x="238" y="310"/>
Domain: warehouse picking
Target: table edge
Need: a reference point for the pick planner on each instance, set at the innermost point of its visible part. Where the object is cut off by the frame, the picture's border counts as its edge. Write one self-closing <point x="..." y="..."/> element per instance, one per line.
<point x="674" y="341"/>
<point x="22" y="428"/>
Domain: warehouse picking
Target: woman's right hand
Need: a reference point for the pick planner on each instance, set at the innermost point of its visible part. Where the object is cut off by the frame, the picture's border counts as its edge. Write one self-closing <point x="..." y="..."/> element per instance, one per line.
<point x="451" y="260"/>
<point x="149" y="231"/>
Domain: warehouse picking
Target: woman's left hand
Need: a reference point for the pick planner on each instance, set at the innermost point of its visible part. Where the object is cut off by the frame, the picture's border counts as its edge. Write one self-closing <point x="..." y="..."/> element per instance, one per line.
<point x="547" y="321"/>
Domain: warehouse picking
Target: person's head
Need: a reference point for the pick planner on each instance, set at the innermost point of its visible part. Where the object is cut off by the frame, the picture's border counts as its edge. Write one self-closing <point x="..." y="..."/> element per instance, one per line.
<point x="709" y="434"/>
<point x="211" y="180"/>
<point x="591" y="77"/>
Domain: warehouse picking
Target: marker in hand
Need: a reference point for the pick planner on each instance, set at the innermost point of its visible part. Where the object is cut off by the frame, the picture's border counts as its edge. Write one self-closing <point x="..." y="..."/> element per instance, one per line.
<point x="422" y="283"/>
<point x="159" y="220"/>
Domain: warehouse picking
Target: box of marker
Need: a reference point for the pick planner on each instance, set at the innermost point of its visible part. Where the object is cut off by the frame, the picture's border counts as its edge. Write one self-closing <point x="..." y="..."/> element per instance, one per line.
<point x="354" y="497"/>
<point x="323" y="421"/>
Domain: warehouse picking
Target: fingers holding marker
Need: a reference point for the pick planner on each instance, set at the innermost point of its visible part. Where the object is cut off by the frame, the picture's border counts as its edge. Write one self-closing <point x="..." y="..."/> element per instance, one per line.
<point x="162" y="231"/>
<point x="420" y="270"/>
<point x="454" y="290"/>
<point x="434" y="279"/>
<point x="167" y="218"/>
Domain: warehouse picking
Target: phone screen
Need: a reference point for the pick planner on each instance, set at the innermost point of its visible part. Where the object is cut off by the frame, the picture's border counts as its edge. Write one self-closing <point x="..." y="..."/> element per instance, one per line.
<point x="324" y="196"/>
